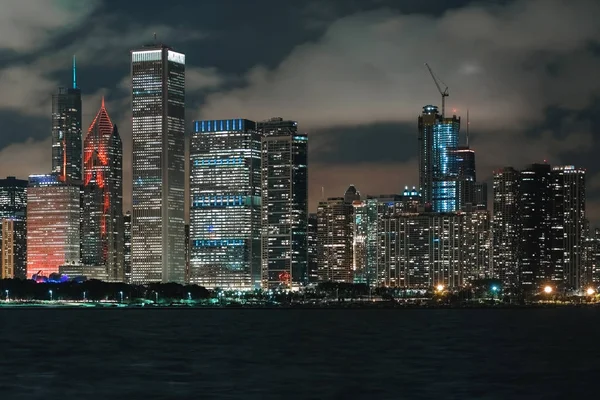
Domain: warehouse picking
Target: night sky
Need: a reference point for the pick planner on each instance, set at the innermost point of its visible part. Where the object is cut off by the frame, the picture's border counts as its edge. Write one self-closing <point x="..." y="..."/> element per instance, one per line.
<point x="350" y="71"/>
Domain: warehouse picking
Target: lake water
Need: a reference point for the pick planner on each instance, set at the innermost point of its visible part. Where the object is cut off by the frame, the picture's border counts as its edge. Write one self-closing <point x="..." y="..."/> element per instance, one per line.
<point x="299" y="354"/>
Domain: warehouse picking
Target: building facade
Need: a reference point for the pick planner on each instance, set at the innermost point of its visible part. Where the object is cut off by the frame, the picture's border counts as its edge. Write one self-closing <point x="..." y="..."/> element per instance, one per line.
<point x="476" y="245"/>
<point x="506" y="227"/>
<point x="127" y="246"/>
<point x="66" y="132"/>
<point x="225" y="212"/>
<point x="53" y="224"/>
<point x="13" y="209"/>
<point x="14" y="249"/>
<point x="102" y="228"/>
<point x="158" y="194"/>
<point x="312" y="248"/>
<point x="284" y="243"/>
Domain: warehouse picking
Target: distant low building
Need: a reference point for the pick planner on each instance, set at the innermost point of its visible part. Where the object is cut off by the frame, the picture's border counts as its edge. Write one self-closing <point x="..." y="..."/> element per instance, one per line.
<point x="87" y="271"/>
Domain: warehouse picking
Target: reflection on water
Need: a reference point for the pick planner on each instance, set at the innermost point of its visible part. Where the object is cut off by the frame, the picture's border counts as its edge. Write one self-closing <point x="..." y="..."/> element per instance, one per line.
<point x="298" y="354"/>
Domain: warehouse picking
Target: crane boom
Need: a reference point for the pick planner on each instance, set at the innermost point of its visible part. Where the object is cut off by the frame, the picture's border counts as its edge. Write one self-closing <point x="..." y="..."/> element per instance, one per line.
<point x="444" y="92"/>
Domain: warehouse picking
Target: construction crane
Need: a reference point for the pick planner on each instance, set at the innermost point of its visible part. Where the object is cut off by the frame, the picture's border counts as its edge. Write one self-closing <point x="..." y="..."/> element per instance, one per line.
<point x="444" y="92"/>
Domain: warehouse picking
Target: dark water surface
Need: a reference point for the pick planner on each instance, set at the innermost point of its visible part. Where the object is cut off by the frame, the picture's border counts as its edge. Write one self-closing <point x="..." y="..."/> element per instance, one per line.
<point x="299" y="354"/>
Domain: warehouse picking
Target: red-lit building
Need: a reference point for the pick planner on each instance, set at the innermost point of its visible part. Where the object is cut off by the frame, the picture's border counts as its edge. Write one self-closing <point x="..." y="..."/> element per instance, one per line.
<point x="102" y="225"/>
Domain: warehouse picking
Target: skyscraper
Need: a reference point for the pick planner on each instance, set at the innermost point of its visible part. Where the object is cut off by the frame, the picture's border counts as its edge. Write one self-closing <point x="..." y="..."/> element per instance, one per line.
<point x="102" y="226"/>
<point x="284" y="204"/>
<point x="535" y="212"/>
<point x="158" y="117"/>
<point x="312" y="247"/>
<point x="13" y="197"/>
<point x="569" y="225"/>
<point x="335" y="230"/>
<point x="225" y="213"/>
<point x="13" y="210"/>
<point x="53" y="224"/>
<point x="465" y="178"/>
<point x="506" y="226"/>
<point x="66" y="132"/>
<point x="438" y="169"/>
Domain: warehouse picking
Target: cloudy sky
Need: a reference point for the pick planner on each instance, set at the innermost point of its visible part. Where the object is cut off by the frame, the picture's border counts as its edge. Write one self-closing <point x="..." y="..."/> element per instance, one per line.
<point x="350" y="71"/>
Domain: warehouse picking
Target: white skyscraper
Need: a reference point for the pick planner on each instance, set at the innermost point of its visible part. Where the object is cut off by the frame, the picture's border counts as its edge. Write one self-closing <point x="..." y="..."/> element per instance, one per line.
<point x="158" y="117"/>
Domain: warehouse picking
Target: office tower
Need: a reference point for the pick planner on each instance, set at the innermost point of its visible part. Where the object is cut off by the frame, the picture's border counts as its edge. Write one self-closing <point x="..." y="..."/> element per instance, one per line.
<point x="421" y="250"/>
<point x="312" y="247"/>
<point x="225" y="214"/>
<point x="476" y="245"/>
<point x="568" y="226"/>
<point x="284" y="204"/>
<point x="53" y="224"/>
<point x="506" y="227"/>
<point x="365" y="240"/>
<point x="158" y="117"/>
<point x="127" y="246"/>
<point x="592" y="258"/>
<point x="438" y="170"/>
<point x="14" y="248"/>
<point x="535" y="212"/>
<point x="13" y="207"/>
<point x="480" y="195"/>
<point x="13" y="197"/>
<point x="102" y="228"/>
<point x="335" y="229"/>
<point x="66" y="132"/>
<point x="465" y="179"/>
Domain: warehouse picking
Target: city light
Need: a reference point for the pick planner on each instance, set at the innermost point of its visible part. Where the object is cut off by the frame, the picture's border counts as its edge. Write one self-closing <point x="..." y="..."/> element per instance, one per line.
<point x="590" y="291"/>
<point x="494" y="288"/>
<point x="548" y="289"/>
<point x="440" y="288"/>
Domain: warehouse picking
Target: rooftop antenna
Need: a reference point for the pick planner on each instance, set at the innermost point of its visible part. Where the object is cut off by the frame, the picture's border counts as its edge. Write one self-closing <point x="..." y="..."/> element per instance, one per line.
<point x="74" y="73"/>
<point x="468" y="123"/>
<point x="154" y="37"/>
<point x="323" y="193"/>
<point x="444" y="92"/>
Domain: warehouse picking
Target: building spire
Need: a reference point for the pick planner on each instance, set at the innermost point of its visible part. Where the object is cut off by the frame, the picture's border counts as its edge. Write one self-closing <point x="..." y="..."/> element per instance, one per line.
<point x="74" y="73"/>
<point x="102" y="105"/>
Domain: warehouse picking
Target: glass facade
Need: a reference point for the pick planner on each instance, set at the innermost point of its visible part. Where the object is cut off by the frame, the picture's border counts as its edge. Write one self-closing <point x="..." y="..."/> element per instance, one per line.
<point x="158" y="118"/>
<point x="127" y="246"/>
<point x="225" y="212"/>
<point x="14" y="249"/>
<point x="102" y="228"/>
<point x="53" y="224"/>
<point x="66" y="134"/>
<point x="284" y="204"/>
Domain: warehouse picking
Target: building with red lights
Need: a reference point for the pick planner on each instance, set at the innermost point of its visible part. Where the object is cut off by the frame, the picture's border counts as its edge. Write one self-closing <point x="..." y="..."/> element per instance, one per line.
<point x="53" y="224"/>
<point x="102" y="233"/>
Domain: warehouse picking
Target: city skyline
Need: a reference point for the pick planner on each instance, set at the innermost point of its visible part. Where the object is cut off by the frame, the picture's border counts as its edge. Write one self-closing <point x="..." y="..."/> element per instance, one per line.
<point x="555" y="126"/>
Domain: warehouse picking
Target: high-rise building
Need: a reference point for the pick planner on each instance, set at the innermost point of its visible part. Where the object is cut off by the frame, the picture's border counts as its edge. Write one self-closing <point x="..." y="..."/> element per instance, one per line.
<point x="158" y="117"/>
<point x="13" y="197"/>
<point x="284" y="204"/>
<point x="506" y="227"/>
<point x="480" y="197"/>
<point x="592" y="258"/>
<point x="187" y="253"/>
<point x="421" y="250"/>
<point x="476" y="245"/>
<point x="66" y="132"/>
<point x="53" y="224"/>
<point x="225" y="213"/>
<point x="312" y="247"/>
<point x="568" y="225"/>
<point x="335" y="229"/>
<point x="127" y="246"/>
<point x="466" y="177"/>
<point x="14" y="248"/>
<point x="102" y="228"/>
<point x="438" y="169"/>
<point x="535" y="212"/>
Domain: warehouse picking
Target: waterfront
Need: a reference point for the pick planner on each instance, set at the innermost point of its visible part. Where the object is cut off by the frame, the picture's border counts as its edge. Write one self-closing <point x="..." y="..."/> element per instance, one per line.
<point x="298" y="354"/>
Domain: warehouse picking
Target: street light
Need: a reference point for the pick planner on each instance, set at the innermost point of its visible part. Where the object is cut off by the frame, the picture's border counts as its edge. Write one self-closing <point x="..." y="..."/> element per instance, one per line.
<point x="50" y="292"/>
<point x="590" y="291"/>
<point x="6" y="291"/>
<point x="121" y="293"/>
<point x="548" y="289"/>
<point x="189" y="296"/>
<point x="84" y="295"/>
<point x="440" y="288"/>
<point x="156" y="293"/>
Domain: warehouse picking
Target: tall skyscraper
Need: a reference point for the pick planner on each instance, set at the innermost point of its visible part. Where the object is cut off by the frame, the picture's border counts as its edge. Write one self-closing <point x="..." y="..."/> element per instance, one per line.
<point x="335" y="230"/>
<point x="66" y="132"/>
<point x="158" y="117"/>
<point x="569" y="225"/>
<point x="102" y="226"/>
<point x="13" y="198"/>
<point x="506" y="227"/>
<point x="127" y="246"/>
<point x="284" y="204"/>
<point x="465" y="178"/>
<point x="476" y="245"/>
<point x="480" y="195"/>
<point x="225" y="213"/>
<point x="438" y="169"/>
<point x="53" y="224"/>
<point x="535" y="212"/>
